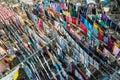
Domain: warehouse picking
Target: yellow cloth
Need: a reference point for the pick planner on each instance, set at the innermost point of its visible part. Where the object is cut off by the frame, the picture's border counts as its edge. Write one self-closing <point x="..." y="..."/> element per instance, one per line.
<point x="115" y="44"/>
<point x="95" y="26"/>
<point x="16" y="75"/>
<point x="100" y="30"/>
<point x="66" y="13"/>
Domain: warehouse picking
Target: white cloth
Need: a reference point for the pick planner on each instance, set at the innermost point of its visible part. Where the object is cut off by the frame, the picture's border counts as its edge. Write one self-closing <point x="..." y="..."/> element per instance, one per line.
<point x="77" y="5"/>
<point x="88" y="73"/>
<point x="116" y="51"/>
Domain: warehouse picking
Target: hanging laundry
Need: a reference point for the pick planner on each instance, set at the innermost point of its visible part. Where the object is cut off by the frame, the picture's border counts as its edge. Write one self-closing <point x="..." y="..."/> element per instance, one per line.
<point x="82" y="19"/>
<point x="40" y="23"/>
<point x="59" y="9"/>
<point x="83" y="28"/>
<point x="105" y="38"/>
<point x="68" y="26"/>
<point x="88" y="73"/>
<point x="73" y="13"/>
<point x="106" y="52"/>
<point x="116" y="51"/>
<point x="95" y="32"/>
<point x="63" y="6"/>
<point x="77" y="6"/>
<point x="66" y="13"/>
<point x="74" y="20"/>
<point x="95" y="26"/>
<point x="68" y="19"/>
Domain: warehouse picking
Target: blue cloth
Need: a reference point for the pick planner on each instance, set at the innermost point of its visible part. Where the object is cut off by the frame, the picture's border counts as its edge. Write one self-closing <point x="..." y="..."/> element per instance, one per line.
<point x="95" y="32"/>
<point x="105" y="38"/>
<point x="64" y="23"/>
<point x="86" y="23"/>
<point x="82" y="18"/>
<point x="28" y="72"/>
<point x="108" y="22"/>
<point x="59" y="9"/>
<point x="89" y="34"/>
<point x="106" y="78"/>
<point x="46" y="4"/>
<point x="90" y="27"/>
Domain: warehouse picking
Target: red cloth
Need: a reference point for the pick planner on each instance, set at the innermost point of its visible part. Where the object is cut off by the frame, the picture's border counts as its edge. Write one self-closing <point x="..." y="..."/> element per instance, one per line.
<point x="68" y="26"/>
<point x="110" y="43"/>
<point x="5" y="61"/>
<point x="74" y="20"/>
<point x="83" y="28"/>
<point x="100" y="36"/>
<point x="82" y="74"/>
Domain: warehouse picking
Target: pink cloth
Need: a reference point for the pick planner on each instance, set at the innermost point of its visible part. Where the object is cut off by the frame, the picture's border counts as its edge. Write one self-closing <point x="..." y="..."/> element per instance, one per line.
<point x="39" y="23"/>
<point x="106" y="52"/>
<point x="68" y="19"/>
<point x="41" y="7"/>
<point x="116" y="51"/>
<point x="53" y="6"/>
<point x="63" y="6"/>
<point x="68" y="26"/>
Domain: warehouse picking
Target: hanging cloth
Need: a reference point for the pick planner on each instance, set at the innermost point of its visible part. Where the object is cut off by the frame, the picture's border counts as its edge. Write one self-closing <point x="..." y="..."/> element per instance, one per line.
<point x="40" y="23"/>
<point x="68" y="26"/>
<point x="74" y="20"/>
<point x="63" y="6"/>
<point x="83" y="28"/>
<point x="68" y="19"/>
<point x="82" y="19"/>
<point x="116" y="51"/>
